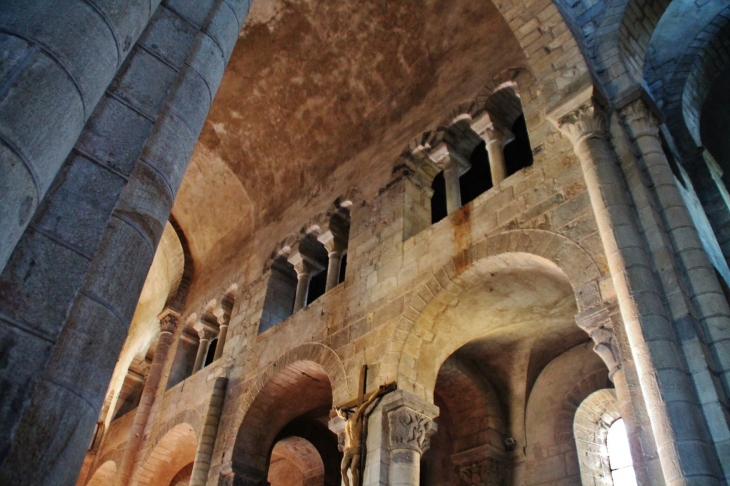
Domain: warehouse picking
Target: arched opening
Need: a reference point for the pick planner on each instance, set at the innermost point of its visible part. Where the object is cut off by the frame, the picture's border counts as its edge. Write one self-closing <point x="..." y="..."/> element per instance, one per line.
<point x="280" y="293"/>
<point x="619" y="455"/>
<point x="492" y="344"/>
<point x="170" y="458"/>
<point x="211" y="352"/>
<point x="438" y="199"/>
<point x="285" y="422"/>
<point x="104" y="476"/>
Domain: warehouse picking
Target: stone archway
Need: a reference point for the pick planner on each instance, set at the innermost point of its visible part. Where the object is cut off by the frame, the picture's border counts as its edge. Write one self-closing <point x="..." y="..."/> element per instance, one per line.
<point x="175" y="451"/>
<point x="303" y="382"/>
<point x="104" y="475"/>
<point x="593" y="418"/>
<point x="295" y="462"/>
<point x="543" y="251"/>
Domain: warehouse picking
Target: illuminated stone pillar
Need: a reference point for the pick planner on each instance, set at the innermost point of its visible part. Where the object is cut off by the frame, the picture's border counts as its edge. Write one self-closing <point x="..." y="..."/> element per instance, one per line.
<point x="154" y="388"/>
<point x="686" y="455"/>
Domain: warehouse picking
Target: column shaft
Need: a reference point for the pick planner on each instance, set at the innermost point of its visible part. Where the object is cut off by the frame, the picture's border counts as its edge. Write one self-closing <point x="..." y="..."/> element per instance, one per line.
<point x="208" y="436"/>
<point x="302" y="289"/>
<point x="222" y="334"/>
<point x="154" y="388"/>
<point x="704" y="288"/>
<point x="203" y="345"/>
<point x="497" y="166"/>
<point x="664" y="381"/>
<point x="453" y="190"/>
<point x="333" y="270"/>
<point x="52" y="91"/>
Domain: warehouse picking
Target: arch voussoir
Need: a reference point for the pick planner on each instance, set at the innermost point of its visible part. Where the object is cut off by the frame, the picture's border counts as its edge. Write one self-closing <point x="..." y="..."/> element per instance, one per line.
<point x="508" y="249"/>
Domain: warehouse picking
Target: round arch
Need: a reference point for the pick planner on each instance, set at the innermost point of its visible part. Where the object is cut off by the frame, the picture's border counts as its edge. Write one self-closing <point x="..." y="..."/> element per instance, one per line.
<point x="306" y="378"/>
<point x="553" y="253"/>
<point x="593" y="418"/>
<point x="295" y="461"/>
<point x="104" y="475"/>
<point x="173" y="452"/>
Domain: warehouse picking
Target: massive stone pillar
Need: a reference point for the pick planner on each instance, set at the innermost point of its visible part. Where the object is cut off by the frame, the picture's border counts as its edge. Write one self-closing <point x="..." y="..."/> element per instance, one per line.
<point x="704" y="288"/>
<point x="154" y="389"/>
<point x="685" y="453"/>
<point x="206" y="443"/>
<point x="70" y="287"/>
<point x="57" y="61"/>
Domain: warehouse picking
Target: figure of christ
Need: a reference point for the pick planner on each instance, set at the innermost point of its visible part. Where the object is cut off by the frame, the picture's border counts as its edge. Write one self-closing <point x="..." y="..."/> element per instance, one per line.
<point x="353" y="437"/>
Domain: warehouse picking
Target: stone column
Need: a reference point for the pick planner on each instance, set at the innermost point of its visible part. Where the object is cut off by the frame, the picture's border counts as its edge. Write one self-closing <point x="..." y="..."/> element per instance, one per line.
<point x="58" y="60"/>
<point x="496" y="137"/>
<point x="201" y="466"/>
<point x="206" y="333"/>
<point x="704" y="289"/>
<point x="684" y="452"/>
<point x="336" y="246"/>
<point x="410" y="426"/>
<point x="154" y="388"/>
<point x="453" y="190"/>
<point x="222" y="334"/>
<point x="304" y="266"/>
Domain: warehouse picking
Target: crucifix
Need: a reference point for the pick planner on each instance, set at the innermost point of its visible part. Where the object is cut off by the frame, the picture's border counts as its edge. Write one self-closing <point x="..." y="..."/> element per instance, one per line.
<point x="354" y="414"/>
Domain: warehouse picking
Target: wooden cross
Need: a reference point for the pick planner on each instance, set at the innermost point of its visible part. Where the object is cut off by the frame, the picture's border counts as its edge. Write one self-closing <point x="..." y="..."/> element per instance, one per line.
<point x="362" y="396"/>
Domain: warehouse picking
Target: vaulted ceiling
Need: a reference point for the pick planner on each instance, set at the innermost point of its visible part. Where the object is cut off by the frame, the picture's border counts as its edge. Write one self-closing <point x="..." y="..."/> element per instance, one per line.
<point x="320" y="96"/>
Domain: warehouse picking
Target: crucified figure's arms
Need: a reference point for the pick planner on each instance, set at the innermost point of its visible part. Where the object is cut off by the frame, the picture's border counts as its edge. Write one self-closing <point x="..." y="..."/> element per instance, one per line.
<point x="369" y="401"/>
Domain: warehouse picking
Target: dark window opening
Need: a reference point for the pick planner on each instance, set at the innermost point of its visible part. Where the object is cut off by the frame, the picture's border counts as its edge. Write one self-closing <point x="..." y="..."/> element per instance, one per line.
<point x="317" y="286"/>
<point x="518" y="153"/>
<point x="211" y="352"/>
<point x="280" y="293"/>
<point x="478" y="179"/>
<point x="438" y="200"/>
<point x="343" y="268"/>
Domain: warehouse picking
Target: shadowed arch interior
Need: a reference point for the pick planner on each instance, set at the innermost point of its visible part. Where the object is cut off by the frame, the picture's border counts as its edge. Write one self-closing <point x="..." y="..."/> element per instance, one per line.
<point x="299" y="388"/>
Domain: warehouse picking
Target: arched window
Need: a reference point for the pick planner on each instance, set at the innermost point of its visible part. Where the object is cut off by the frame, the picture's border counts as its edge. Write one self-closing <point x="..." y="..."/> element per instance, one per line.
<point x="619" y="455"/>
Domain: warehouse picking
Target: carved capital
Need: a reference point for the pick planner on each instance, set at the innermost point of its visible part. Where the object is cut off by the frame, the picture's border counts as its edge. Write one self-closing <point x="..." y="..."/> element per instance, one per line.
<point x="168" y="321"/>
<point x="599" y="326"/>
<point x="334" y="243"/>
<point x="490" y="472"/>
<point x="206" y="334"/>
<point x="493" y="130"/>
<point x="586" y="121"/>
<point x="410" y="430"/>
<point x="640" y="119"/>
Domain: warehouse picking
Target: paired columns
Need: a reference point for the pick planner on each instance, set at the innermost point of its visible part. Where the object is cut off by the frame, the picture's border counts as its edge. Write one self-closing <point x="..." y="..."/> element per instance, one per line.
<point x="684" y="452"/>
